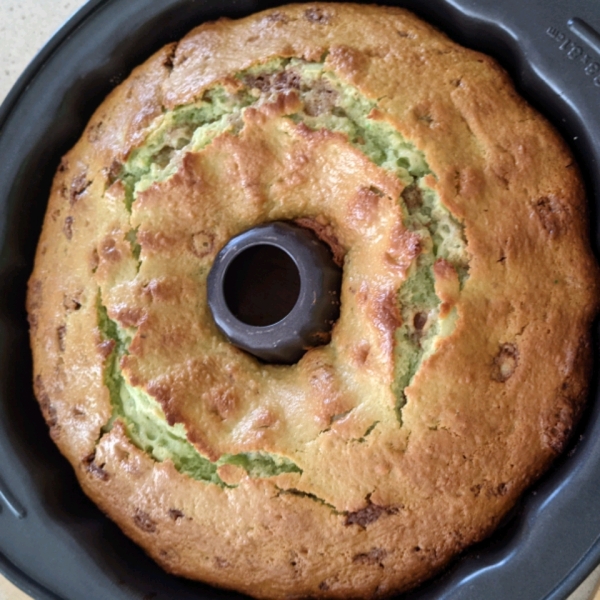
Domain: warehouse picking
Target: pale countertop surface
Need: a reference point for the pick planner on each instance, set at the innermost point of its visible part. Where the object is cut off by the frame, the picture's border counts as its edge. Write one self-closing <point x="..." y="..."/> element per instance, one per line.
<point x="25" y="26"/>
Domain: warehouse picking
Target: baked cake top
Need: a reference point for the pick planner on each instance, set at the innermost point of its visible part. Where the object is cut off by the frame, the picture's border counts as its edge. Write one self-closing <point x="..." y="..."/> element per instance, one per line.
<point x="458" y="365"/>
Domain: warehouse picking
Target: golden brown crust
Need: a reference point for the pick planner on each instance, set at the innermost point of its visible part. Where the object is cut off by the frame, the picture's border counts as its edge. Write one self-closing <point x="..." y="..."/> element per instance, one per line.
<point x="485" y="413"/>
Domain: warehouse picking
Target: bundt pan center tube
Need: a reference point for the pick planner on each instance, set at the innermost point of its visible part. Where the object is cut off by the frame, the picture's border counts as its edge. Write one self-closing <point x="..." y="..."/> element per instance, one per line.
<point x="274" y="292"/>
<point x="520" y="561"/>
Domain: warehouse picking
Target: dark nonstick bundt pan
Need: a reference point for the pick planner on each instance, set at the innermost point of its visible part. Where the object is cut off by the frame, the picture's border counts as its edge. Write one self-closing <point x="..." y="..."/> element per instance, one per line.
<point x="54" y="543"/>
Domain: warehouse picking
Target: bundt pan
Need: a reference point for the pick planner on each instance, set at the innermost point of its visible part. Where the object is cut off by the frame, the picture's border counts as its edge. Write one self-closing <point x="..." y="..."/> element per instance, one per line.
<point x="54" y="543"/>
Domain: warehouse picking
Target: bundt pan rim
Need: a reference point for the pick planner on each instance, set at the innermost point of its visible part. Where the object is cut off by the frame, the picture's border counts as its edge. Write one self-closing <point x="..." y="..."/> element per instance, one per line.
<point x="73" y="551"/>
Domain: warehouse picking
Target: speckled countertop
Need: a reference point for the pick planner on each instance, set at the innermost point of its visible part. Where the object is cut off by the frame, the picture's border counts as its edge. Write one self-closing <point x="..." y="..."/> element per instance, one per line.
<point x="25" y="26"/>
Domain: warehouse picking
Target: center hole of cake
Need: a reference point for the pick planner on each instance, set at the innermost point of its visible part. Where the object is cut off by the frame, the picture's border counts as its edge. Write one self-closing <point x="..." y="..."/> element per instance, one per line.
<point x="261" y="285"/>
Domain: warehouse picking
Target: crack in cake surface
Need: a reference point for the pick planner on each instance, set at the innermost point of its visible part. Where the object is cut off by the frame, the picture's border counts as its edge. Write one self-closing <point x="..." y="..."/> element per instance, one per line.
<point x="148" y="429"/>
<point x="326" y="104"/>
